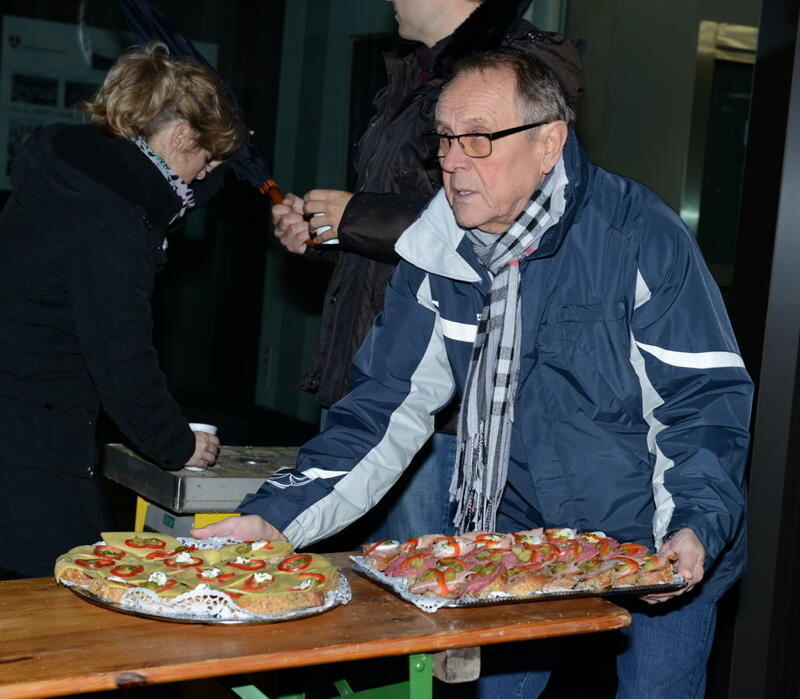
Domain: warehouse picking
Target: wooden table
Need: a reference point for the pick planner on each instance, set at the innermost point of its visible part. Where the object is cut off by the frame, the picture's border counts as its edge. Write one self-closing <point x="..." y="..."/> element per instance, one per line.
<point x="53" y="643"/>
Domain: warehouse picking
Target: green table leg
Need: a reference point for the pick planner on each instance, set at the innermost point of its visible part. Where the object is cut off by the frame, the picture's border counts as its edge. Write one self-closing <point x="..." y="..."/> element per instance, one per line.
<point x="420" y="676"/>
<point x="418" y="686"/>
<point x="252" y="692"/>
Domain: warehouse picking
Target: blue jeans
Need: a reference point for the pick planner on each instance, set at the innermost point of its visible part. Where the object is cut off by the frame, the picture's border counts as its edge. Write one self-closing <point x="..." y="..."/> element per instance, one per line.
<point x="664" y="655"/>
<point x="419" y="503"/>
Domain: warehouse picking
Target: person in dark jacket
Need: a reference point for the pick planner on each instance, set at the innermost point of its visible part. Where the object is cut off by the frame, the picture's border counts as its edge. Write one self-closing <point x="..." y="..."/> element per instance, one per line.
<point x="81" y="238"/>
<point x="602" y="387"/>
<point x="397" y="176"/>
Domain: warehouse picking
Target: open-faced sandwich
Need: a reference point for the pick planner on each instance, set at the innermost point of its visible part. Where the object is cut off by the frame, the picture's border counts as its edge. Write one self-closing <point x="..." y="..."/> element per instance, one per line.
<point x="263" y="577"/>
<point x="487" y="565"/>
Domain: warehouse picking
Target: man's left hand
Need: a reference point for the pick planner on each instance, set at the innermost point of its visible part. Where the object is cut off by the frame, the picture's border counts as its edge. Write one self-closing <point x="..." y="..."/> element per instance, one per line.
<point x="691" y="558"/>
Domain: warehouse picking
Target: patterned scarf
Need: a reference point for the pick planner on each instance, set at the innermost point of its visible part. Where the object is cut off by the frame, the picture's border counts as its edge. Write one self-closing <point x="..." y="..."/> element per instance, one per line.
<point x="183" y="190"/>
<point x="487" y="410"/>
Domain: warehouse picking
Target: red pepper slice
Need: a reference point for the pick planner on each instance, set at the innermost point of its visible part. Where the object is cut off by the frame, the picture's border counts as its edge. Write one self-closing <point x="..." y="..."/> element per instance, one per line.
<point x="569" y="549"/>
<point x="299" y="561"/>
<point x="149" y="542"/>
<point x="411" y="544"/>
<point x="453" y="543"/>
<point x="605" y="547"/>
<point x="172" y="563"/>
<point x="625" y="564"/>
<point x="441" y="583"/>
<point x="252" y="586"/>
<point x="95" y="562"/>
<point x="126" y="571"/>
<point x="411" y="561"/>
<point x="156" y="555"/>
<point x="375" y="546"/>
<point x="170" y="583"/>
<point x="104" y="551"/>
<point x="316" y="576"/>
<point x="252" y="564"/>
<point x="632" y="549"/>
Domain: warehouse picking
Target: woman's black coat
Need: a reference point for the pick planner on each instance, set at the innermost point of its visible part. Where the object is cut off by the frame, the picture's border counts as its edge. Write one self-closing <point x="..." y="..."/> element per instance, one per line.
<point x="81" y="239"/>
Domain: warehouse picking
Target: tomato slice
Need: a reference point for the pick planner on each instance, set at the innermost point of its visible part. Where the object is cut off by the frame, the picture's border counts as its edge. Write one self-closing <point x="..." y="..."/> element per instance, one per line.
<point x="95" y="562"/>
<point x="252" y="564"/>
<point x="299" y="561"/>
<point x="104" y="551"/>
<point x="149" y="542"/>
<point x="126" y="570"/>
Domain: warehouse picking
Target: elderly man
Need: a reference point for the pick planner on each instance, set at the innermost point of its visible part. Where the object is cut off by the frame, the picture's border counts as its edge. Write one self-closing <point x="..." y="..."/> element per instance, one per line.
<point x="601" y="383"/>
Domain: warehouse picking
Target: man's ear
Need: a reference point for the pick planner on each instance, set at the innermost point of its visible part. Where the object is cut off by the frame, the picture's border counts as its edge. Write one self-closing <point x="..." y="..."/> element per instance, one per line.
<point x="554" y="139"/>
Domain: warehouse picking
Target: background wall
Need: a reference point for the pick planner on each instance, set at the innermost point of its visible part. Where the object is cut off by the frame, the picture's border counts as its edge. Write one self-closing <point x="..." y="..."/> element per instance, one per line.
<point x="640" y="68"/>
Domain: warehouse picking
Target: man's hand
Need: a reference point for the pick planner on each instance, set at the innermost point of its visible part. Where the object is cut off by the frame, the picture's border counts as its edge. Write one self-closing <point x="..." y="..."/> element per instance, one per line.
<point x="691" y="557"/>
<point x="206" y="448"/>
<point x="291" y="226"/>
<point x="325" y="207"/>
<point x="246" y="528"/>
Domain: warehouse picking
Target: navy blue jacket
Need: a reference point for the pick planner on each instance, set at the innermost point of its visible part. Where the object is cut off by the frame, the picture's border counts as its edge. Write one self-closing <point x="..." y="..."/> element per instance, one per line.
<point x="633" y="402"/>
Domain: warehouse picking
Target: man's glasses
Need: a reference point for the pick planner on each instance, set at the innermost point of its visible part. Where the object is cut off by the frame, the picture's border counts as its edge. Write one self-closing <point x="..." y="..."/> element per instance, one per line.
<point x="476" y="145"/>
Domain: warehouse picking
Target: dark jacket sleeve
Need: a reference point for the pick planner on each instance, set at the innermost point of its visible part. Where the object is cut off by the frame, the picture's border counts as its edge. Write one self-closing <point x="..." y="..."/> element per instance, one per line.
<point x="372" y="223"/>
<point x="110" y="284"/>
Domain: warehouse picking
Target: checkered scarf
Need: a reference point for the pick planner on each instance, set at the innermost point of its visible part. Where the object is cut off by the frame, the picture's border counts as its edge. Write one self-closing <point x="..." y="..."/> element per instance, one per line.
<point x="487" y="409"/>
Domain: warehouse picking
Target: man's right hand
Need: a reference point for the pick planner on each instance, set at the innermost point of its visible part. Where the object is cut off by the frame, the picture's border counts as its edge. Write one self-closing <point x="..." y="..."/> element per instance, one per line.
<point x="246" y="528"/>
<point x="291" y="226"/>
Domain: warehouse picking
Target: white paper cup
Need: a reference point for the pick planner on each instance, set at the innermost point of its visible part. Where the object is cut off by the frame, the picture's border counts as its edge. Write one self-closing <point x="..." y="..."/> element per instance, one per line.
<point x="202" y="427"/>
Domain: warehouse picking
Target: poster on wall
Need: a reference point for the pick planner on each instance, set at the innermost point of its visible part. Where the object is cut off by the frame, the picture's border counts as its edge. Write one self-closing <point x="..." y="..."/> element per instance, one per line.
<point x="48" y="67"/>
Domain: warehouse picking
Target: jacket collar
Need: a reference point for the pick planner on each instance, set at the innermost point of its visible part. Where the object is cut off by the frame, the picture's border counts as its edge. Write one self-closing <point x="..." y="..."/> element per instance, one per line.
<point x="432" y="241"/>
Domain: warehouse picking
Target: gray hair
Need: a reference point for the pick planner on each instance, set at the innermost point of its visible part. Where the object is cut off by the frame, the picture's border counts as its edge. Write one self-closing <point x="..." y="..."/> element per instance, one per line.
<point x="539" y="94"/>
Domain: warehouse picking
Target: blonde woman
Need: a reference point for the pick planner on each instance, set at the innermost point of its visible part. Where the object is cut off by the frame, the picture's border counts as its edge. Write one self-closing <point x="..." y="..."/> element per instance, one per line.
<point x="81" y="238"/>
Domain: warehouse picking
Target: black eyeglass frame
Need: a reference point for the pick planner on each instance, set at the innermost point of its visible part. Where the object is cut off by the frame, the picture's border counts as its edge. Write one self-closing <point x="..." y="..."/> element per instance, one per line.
<point x="491" y="137"/>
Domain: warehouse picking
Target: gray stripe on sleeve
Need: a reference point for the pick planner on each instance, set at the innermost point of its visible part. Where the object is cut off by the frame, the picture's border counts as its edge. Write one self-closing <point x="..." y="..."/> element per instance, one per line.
<point x="410" y="426"/>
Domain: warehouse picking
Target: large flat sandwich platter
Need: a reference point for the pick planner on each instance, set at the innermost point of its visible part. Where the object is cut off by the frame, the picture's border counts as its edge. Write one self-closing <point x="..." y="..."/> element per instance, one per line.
<point x="208" y="581"/>
<point x="479" y="568"/>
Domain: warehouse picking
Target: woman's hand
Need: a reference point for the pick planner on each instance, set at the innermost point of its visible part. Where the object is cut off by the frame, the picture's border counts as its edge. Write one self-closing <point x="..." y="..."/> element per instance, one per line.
<point x="206" y="448"/>
<point x="291" y="227"/>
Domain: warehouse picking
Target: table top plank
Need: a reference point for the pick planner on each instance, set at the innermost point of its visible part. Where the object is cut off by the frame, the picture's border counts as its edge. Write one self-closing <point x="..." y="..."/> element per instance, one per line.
<point x="53" y="643"/>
